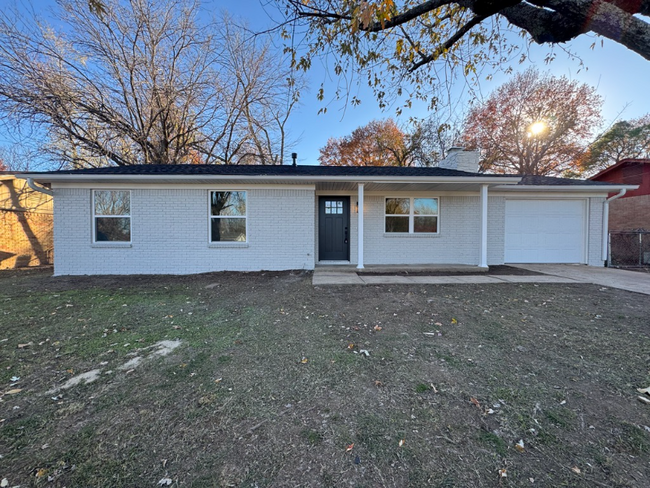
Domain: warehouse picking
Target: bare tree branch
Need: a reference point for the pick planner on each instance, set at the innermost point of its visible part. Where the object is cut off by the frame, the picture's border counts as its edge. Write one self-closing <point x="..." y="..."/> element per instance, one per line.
<point x="142" y="81"/>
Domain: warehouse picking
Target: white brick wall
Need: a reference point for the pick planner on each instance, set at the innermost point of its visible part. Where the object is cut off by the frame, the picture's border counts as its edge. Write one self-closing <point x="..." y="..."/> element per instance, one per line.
<point x="170" y="234"/>
<point x="496" y="230"/>
<point x="170" y="228"/>
<point x="458" y="241"/>
<point x="595" y="244"/>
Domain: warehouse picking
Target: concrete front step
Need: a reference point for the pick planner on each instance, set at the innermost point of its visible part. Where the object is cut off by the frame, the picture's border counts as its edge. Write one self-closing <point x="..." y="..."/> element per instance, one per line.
<point x="401" y="269"/>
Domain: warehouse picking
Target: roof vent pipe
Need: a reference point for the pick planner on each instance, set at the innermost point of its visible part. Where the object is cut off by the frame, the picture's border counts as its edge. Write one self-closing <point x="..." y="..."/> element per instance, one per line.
<point x="294" y="156"/>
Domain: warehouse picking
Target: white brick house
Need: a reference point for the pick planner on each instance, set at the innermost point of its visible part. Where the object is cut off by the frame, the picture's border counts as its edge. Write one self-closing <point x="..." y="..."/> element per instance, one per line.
<point x="159" y="219"/>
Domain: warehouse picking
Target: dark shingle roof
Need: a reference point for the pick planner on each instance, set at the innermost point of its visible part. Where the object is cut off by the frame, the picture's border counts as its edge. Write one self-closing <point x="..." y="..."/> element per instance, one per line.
<point x="270" y="170"/>
<point x="534" y="180"/>
<point x="306" y="171"/>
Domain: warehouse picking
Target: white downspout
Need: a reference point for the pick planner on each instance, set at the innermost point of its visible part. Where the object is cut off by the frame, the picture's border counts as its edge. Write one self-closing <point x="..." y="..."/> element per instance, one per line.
<point x="605" y="255"/>
<point x="40" y="189"/>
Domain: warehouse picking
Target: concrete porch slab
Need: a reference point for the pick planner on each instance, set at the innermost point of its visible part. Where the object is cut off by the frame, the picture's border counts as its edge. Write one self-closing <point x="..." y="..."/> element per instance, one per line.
<point x="329" y="278"/>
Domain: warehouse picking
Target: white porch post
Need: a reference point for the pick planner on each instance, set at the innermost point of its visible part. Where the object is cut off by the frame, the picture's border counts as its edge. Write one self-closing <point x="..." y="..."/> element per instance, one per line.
<point x="360" y="228"/>
<point x="484" y="222"/>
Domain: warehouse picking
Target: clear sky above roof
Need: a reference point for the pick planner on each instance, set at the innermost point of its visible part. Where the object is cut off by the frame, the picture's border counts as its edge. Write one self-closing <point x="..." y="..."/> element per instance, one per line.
<point x="619" y="75"/>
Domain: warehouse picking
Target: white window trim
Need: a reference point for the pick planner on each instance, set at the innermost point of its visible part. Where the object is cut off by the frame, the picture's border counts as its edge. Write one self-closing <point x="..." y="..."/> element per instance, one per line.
<point x="94" y="223"/>
<point x="212" y="243"/>
<point x="411" y="216"/>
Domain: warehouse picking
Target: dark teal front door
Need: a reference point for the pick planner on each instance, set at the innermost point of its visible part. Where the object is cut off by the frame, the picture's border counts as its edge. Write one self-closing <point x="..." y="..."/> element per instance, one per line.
<point x="334" y="228"/>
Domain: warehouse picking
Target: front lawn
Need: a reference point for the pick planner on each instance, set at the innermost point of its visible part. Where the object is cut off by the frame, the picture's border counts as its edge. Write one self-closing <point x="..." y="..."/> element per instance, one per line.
<point x="279" y="383"/>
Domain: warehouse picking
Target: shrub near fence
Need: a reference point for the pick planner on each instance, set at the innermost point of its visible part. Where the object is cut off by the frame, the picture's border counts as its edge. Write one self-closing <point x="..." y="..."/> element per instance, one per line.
<point x="629" y="249"/>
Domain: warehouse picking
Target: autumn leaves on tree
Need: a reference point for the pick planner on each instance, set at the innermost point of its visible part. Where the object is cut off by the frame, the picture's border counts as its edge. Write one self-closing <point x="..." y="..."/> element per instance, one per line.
<point x="534" y="124"/>
<point x="379" y="143"/>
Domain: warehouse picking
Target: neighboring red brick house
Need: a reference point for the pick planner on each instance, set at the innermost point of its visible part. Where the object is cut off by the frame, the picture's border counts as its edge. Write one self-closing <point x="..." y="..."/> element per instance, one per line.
<point x="25" y="224"/>
<point x="632" y="212"/>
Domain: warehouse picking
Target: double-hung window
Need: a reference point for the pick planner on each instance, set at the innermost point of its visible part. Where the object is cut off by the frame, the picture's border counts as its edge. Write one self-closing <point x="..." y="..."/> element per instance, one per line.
<point x="227" y="216"/>
<point x="112" y="216"/>
<point x="411" y="215"/>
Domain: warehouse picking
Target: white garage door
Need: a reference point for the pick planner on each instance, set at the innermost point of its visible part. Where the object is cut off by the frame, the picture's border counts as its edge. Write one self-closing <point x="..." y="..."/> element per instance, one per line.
<point x="545" y="231"/>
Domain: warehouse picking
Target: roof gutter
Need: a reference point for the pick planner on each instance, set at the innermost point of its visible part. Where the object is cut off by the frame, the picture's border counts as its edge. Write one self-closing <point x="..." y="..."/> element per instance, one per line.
<point x="605" y="245"/>
<point x="40" y="189"/>
<point x="599" y="188"/>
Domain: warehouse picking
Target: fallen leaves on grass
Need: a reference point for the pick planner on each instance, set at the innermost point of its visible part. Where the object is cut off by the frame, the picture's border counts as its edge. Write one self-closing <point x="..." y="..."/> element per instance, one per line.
<point x="475" y="402"/>
<point x="304" y="360"/>
<point x="520" y="445"/>
<point x="454" y="321"/>
<point x="576" y="470"/>
<point x="644" y="400"/>
<point x="377" y="328"/>
<point x="378" y="383"/>
<point x="351" y="345"/>
<point x="14" y="391"/>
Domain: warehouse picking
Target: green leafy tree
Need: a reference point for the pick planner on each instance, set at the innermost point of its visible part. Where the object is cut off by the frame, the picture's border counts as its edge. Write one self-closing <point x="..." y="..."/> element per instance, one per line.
<point x="624" y="139"/>
<point x="533" y="124"/>
<point x="420" y="42"/>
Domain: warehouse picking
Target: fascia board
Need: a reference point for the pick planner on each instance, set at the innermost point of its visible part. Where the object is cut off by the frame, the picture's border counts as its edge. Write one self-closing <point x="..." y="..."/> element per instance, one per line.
<point x="565" y="188"/>
<point x="40" y="178"/>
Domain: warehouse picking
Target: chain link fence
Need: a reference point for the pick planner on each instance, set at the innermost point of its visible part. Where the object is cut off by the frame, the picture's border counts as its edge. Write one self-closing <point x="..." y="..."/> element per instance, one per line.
<point x="629" y="249"/>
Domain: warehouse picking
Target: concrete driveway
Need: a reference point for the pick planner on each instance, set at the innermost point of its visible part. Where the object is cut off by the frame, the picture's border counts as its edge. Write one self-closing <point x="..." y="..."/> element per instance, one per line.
<point x="610" y="277"/>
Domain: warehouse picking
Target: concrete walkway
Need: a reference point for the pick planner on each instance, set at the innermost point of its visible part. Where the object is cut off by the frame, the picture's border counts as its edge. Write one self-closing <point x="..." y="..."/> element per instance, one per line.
<point x="553" y="273"/>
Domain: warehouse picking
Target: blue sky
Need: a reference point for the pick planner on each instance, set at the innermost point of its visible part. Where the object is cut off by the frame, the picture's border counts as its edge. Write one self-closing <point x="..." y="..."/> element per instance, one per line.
<point x="619" y="75"/>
